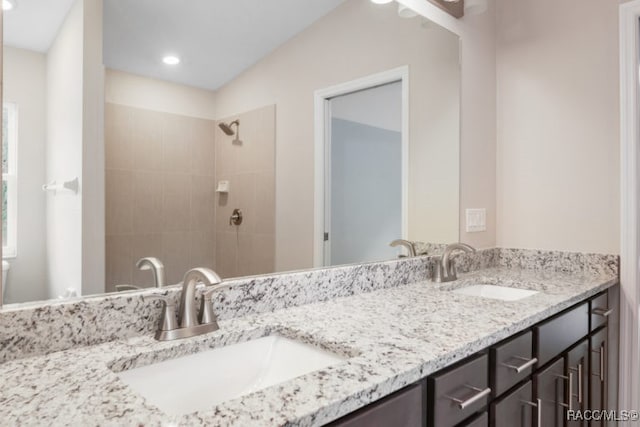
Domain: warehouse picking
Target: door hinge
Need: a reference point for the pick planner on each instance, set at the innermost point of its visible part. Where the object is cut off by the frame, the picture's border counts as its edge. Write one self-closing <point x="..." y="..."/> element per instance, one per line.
<point x="326" y="236"/>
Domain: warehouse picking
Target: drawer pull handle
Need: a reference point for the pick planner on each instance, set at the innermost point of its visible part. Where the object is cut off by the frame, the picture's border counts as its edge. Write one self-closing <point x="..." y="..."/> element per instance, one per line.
<point x="528" y="363"/>
<point x="463" y="404"/>
<point x="602" y="312"/>
<point x="602" y="352"/>
<point x="538" y="405"/>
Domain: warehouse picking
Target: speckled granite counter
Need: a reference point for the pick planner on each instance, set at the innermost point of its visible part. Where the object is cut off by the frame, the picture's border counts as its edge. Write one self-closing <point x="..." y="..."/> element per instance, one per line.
<point x="395" y="337"/>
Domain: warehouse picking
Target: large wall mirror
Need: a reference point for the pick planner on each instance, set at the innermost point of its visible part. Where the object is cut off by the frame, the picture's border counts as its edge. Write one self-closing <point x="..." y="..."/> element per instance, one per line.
<point x="246" y="136"/>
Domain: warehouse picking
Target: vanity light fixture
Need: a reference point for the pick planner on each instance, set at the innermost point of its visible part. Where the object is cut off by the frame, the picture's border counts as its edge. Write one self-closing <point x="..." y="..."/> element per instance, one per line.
<point x="381" y="1"/>
<point x="9" y="4"/>
<point x="171" y="60"/>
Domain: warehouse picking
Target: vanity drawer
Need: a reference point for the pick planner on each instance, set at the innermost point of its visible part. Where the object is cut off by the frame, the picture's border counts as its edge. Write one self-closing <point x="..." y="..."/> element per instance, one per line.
<point x="459" y="392"/>
<point x="511" y="362"/>
<point x="561" y="332"/>
<point x="599" y="311"/>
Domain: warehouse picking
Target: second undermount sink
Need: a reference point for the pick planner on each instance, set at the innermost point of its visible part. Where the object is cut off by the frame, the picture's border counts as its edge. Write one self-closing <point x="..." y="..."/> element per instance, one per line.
<point x="200" y="381"/>
<point x="502" y="293"/>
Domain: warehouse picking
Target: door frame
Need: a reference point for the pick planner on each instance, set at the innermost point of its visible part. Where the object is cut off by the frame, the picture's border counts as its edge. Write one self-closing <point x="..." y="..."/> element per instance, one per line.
<point x="321" y="140"/>
<point x="629" y="366"/>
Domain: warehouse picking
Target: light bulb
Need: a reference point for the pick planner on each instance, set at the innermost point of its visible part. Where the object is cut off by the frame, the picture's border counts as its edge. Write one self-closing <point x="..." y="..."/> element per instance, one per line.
<point x="381" y="1"/>
<point x="171" y="60"/>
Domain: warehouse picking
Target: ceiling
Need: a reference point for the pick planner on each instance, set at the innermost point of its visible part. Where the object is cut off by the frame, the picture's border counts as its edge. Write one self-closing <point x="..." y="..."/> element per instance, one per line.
<point x="34" y="24"/>
<point x="215" y="39"/>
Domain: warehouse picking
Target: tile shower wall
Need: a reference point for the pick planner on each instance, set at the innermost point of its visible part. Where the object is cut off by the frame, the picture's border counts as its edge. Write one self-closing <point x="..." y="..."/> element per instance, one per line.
<point x="160" y="188"/>
<point x="248" y="163"/>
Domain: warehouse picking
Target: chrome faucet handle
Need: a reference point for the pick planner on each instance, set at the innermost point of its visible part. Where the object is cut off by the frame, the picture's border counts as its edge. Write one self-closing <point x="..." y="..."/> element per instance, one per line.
<point x="207" y="315"/>
<point x="168" y="321"/>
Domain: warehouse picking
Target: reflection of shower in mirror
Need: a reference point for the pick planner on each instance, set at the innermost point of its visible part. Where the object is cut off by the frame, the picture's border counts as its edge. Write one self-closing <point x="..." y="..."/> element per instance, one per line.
<point x="227" y="128"/>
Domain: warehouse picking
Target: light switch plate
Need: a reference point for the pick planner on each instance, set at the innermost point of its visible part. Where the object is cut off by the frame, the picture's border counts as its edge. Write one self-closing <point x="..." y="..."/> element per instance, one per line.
<point x="476" y="220"/>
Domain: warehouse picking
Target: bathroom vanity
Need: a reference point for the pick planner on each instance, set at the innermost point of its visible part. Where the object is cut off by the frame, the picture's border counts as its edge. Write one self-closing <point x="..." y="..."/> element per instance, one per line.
<point x="402" y="349"/>
<point x="532" y="378"/>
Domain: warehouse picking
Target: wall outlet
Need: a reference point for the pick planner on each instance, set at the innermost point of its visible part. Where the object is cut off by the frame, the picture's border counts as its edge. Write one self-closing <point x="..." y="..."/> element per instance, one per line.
<point x="476" y="220"/>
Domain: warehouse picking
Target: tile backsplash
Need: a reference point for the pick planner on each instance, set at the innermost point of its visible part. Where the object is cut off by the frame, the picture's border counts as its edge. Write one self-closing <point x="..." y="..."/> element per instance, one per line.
<point x="36" y="329"/>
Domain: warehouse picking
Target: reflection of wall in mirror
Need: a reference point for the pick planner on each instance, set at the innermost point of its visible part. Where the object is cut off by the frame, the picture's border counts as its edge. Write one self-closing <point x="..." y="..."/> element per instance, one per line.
<point x="355" y="40"/>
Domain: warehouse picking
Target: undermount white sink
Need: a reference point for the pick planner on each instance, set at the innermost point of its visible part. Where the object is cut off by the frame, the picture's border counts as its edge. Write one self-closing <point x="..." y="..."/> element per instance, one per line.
<point x="202" y="380"/>
<point x="495" y="292"/>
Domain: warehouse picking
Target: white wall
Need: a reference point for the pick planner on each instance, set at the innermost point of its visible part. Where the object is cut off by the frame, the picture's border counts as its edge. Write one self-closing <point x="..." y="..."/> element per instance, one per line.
<point x="64" y="153"/>
<point x="157" y="95"/>
<point x="320" y="57"/>
<point x="93" y="156"/>
<point x="558" y="121"/>
<point x="24" y="85"/>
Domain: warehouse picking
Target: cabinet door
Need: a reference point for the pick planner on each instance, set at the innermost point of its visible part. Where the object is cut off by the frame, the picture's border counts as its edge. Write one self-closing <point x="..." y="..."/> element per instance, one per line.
<point x="549" y="385"/>
<point x="577" y="371"/>
<point x="598" y="376"/>
<point x="516" y="409"/>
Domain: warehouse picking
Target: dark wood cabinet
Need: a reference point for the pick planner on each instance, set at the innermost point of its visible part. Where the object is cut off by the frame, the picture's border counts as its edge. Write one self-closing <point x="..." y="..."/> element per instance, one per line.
<point x="577" y="371"/>
<point x="530" y="379"/>
<point x="404" y="408"/>
<point x="515" y="409"/>
<point x="549" y="387"/>
<point x="598" y="379"/>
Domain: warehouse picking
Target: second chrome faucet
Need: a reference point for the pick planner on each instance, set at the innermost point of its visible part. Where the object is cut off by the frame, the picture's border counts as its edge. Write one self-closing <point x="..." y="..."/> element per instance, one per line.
<point x="189" y="323"/>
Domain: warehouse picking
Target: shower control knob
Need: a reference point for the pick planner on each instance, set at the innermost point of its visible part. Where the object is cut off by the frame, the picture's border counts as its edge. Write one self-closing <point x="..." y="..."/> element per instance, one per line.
<point x="236" y="217"/>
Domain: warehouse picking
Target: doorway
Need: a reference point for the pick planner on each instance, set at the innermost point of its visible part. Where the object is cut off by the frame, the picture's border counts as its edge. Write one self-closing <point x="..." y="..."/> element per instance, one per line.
<point x="361" y="169"/>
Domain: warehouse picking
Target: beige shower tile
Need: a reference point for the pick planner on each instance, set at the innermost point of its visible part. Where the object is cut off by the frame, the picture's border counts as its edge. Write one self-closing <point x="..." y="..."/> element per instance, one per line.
<point x="264" y="139"/>
<point x="245" y="200"/>
<point x="203" y="247"/>
<point x="202" y="203"/>
<point x="225" y="153"/>
<point x="265" y="206"/>
<point x="263" y="254"/>
<point x="144" y="246"/>
<point x="118" y="135"/>
<point x="203" y="149"/>
<point x="119" y="268"/>
<point x="147" y="202"/>
<point x="224" y="205"/>
<point x="176" y="143"/>
<point x="119" y="202"/>
<point x="176" y="202"/>
<point x="175" y="255"/>
<point x="245" y="254"/>
<point x="147" y="140"/>
<point x="226" y="254"/>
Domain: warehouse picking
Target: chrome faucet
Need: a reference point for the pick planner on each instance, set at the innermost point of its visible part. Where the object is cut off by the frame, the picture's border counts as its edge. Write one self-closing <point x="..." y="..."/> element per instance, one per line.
<point x="189" y="322"/>
<point x="445" y="267"/>
<point x="411" y="247"/>
<point x="156" y="267"/>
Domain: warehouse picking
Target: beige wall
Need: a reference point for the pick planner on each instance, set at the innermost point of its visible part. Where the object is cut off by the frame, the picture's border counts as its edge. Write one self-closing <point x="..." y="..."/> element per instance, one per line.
<point x="336" y="49"/>
<point x="159" y="193"/>
<point x="249" y="166"/>
<point x="157" y="95"/>
<point x="25" y="85"/>
<point x="558" y="120"/>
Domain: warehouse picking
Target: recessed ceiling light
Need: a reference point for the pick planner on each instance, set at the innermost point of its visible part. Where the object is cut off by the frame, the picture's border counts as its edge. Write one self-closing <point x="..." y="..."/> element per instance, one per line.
<point x="8" y="4"/>
<point x="381" y="1"/>
<point x="171" y="60"/>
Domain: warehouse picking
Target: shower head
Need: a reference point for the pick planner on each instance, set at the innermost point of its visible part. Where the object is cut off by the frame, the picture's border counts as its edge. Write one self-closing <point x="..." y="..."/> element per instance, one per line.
<point x="227" y="128"/>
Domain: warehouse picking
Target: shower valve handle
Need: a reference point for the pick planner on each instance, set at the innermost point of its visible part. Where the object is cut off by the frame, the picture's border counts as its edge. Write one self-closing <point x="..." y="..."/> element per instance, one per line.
<point x="236" y="217"/>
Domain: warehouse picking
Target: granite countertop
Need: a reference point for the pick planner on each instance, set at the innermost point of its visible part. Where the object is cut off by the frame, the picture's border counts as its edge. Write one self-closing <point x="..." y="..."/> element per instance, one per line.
<point x="393" y="337"/>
